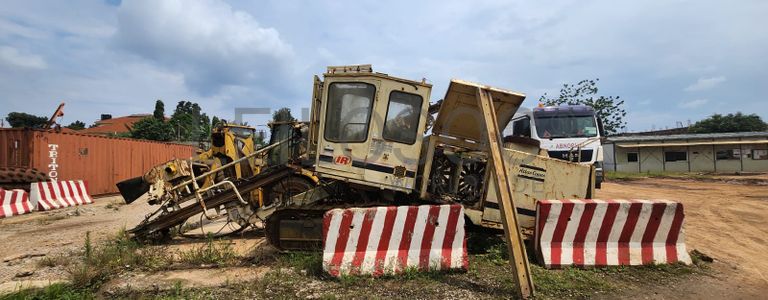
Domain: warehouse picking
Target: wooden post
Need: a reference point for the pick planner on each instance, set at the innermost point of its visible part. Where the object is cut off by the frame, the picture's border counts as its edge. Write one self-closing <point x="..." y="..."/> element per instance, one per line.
<point x="518" y="258"/>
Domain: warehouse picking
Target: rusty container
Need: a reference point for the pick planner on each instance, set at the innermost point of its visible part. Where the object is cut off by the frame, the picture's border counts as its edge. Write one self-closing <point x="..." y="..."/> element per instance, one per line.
<point x="99" y="160"/>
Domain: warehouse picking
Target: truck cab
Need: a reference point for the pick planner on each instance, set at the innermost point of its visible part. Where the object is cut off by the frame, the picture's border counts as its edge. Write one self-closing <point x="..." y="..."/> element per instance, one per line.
<point x="567" y="132"/>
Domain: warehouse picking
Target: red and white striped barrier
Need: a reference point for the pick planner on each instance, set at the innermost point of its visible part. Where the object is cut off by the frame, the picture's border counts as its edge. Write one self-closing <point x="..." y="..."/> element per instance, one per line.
<point x="59" y="194"/>
<point x="609" y="232"/>
<point x="14" y="203"/>
<point x="389" y="240"/>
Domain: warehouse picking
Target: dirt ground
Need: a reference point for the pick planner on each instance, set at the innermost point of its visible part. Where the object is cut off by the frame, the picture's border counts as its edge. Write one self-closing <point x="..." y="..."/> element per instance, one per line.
<point x="725" y="219"/>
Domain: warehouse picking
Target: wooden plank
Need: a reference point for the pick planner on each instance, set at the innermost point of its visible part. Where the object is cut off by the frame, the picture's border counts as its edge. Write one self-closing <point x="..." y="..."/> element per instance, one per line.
<point x="518" y="258"/>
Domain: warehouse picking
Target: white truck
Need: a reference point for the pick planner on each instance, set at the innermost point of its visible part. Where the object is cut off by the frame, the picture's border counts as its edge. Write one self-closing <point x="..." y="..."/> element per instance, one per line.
<point x="567" y="132"/>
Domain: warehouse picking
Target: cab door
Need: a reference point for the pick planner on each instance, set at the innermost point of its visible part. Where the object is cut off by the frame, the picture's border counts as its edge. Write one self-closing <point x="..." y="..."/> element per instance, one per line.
<point x="344" y="135"/>
<point x="397" y="130"/>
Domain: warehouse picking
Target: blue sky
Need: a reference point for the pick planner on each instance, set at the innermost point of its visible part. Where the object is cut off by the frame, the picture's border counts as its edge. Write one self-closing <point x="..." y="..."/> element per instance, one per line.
<point x="671" y="61"/>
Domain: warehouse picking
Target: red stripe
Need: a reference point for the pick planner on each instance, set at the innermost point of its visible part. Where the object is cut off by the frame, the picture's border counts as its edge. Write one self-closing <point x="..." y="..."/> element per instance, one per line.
<point x="2" y="203"/>
<point x="674" y="232"/>
<point x="70" y="184"/>
<point x="601" y="254"/>
<point x="429" y="233"/>
<point x="581" y="233"/>
<point x="43" y="198"/>
<point x="362" y="240"/>
<point x="25" y="203"/>
<point x="626" y="232"/>
<point x="562" y="225"/>
<point x="70" y="200"/>
<point x="341" y="241"/>
<point x="14" y="199"/>
<point x="450" y="235"/>
<point x="83" y="194"/>
<point x="386" y="235"/>
<point x="405" y="242"/>
<point x="650" y="232"/>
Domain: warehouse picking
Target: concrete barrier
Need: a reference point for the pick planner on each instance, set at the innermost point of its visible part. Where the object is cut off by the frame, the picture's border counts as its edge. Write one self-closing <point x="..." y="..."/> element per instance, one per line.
<point x="59" y="194"/>
<point x="595" y="232"/>
<point x="388" y="240"/>
<point x="14" y="203"/>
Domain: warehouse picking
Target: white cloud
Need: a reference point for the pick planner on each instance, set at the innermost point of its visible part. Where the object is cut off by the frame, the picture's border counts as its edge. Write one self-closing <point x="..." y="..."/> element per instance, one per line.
<point x="12" y="56"/>
<point x="693" y="103"/>
<point x="705" y="84"/>
<point x="212" y="44"/>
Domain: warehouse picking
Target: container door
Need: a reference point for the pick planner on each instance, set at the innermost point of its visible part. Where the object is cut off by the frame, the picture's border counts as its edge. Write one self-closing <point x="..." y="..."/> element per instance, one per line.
<point x="344" y="140"/>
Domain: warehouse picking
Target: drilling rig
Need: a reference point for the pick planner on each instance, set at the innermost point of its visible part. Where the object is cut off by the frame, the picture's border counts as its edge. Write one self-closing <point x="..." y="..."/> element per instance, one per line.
<point x="372" y="140"/>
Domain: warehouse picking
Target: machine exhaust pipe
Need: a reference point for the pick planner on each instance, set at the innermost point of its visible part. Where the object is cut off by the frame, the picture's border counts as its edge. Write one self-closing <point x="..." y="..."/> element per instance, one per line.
<point x="133" y="188"/>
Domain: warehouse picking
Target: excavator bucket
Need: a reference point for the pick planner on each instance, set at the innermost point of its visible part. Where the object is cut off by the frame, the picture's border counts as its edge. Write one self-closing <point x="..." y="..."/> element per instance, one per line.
<point x="132" y="189"/>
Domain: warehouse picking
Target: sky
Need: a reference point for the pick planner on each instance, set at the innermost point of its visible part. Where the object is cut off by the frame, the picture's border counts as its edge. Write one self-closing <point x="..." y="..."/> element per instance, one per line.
<point x="671" y="61"/>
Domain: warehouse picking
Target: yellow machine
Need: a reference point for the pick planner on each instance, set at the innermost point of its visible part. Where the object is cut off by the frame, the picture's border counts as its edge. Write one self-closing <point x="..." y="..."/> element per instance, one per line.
<point x="371" y="140"/>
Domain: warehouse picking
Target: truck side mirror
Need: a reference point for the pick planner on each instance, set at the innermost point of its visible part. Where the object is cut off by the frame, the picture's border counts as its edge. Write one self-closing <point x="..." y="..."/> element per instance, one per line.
<point x="600" y="129"/>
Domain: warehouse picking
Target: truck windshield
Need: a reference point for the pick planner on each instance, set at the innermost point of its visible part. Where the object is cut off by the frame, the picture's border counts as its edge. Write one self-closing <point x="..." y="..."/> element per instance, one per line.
<point x="565" y="126"/>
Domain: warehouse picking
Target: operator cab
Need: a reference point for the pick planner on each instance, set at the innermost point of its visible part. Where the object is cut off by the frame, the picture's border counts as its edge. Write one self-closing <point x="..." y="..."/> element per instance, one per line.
<point x="367" y="127"/>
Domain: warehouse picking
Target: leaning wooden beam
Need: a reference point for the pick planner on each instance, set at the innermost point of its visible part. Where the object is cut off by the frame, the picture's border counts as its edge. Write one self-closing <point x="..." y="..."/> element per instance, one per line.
<point x="518" y="258"/>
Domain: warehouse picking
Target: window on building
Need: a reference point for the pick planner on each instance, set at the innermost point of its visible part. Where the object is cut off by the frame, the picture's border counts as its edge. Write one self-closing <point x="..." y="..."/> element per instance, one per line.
<point x="759" y="154"/>
<point x="402" y="121"/>
<point x="632" y="157"/>
<point x="522" y="127"/>
<point x="670" y="156"/>
<point x="726" y="154"/>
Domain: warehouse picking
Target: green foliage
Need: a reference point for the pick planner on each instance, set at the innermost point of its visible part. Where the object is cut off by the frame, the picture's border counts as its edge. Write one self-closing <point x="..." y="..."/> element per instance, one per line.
<point x="159" y="112"/>
<point x="283" y="115"/>
<point x="189" y="123"/>
<point x="729" y="123"/>
<point x="63" y="291"/>
<point x="76" y="125"/>
<point x="608" y="108"/>
<point x="152" y="129"/>
<point x="22" y="120"/>
<point x="218" y="253"/>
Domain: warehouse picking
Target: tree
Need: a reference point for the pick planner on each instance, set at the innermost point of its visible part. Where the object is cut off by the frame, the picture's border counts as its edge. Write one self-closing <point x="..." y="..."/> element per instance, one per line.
<point x="729" y="123"/>
<point x="189" y="123"/>
<point x="152" y="129"/>
<point x="21" y="120"/>
<point x="159" y="112"/>
<point x="608" y="108"/>
<point x="76" y="125"/>
<point x="283" y="115"/>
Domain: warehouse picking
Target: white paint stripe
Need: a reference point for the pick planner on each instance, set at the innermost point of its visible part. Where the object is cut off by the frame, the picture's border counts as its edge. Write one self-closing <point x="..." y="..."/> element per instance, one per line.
<point x="49" y="195"/>
<point x="6" y="208"/>
<point x="635" y="244"/>
<point x="354" y="238"/>
<point x="458" y="252"/>
<point x="549" y="230"/>
<point x="612" y="247"/>
<point x="19" y="202"/>
<point x="377" y="227"/>
<point x="86" y="195"/>
<point x="390" y="260"/>
<point x="64" y="189"/>
<point x="332" y="236"/>
<point x="73" y="186"/>
<point x="418" y="234"/>
<point x="436" y="249"/>
<point x="566" y="255"/>
<point x="660" y="239"/>
<point x="590" y="242"/>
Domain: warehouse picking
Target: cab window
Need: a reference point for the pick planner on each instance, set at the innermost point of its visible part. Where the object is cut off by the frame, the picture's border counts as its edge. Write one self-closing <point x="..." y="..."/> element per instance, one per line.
<point x="402" y="122"/>
<point x="522" y="127"/>
<point x="349" y="111"/>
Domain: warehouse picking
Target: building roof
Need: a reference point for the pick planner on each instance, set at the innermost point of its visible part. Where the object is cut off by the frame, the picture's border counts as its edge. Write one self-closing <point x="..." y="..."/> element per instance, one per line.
<point x="689" y="136"/>
<point x="115" y="125"/>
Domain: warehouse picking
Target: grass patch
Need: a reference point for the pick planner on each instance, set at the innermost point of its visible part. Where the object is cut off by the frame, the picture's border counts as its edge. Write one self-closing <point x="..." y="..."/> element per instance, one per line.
<point x="54" y="291"/>
<point x="310" y="262"/>
<point x="212" y="253"/>
<point x="51" y="261"/>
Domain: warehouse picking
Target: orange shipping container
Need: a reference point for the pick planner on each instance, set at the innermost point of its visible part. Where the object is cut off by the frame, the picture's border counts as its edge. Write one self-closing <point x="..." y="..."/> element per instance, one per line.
<point x="101" y="161"/>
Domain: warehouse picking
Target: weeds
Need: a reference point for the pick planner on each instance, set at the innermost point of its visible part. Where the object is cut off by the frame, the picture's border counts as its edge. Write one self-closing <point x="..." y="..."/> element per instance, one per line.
<point x="211" y="253"/>
<point x="53" y="261"/>
<point x="54" y="291"/>
<point x="311" y="262"/>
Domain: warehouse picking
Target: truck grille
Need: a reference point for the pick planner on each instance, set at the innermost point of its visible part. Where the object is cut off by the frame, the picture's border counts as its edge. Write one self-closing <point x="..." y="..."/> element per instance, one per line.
<point x="584" y="155"/>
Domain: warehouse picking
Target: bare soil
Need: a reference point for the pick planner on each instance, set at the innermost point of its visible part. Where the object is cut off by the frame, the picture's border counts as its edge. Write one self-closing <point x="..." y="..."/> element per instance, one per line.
<point x="725" y="219"/>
